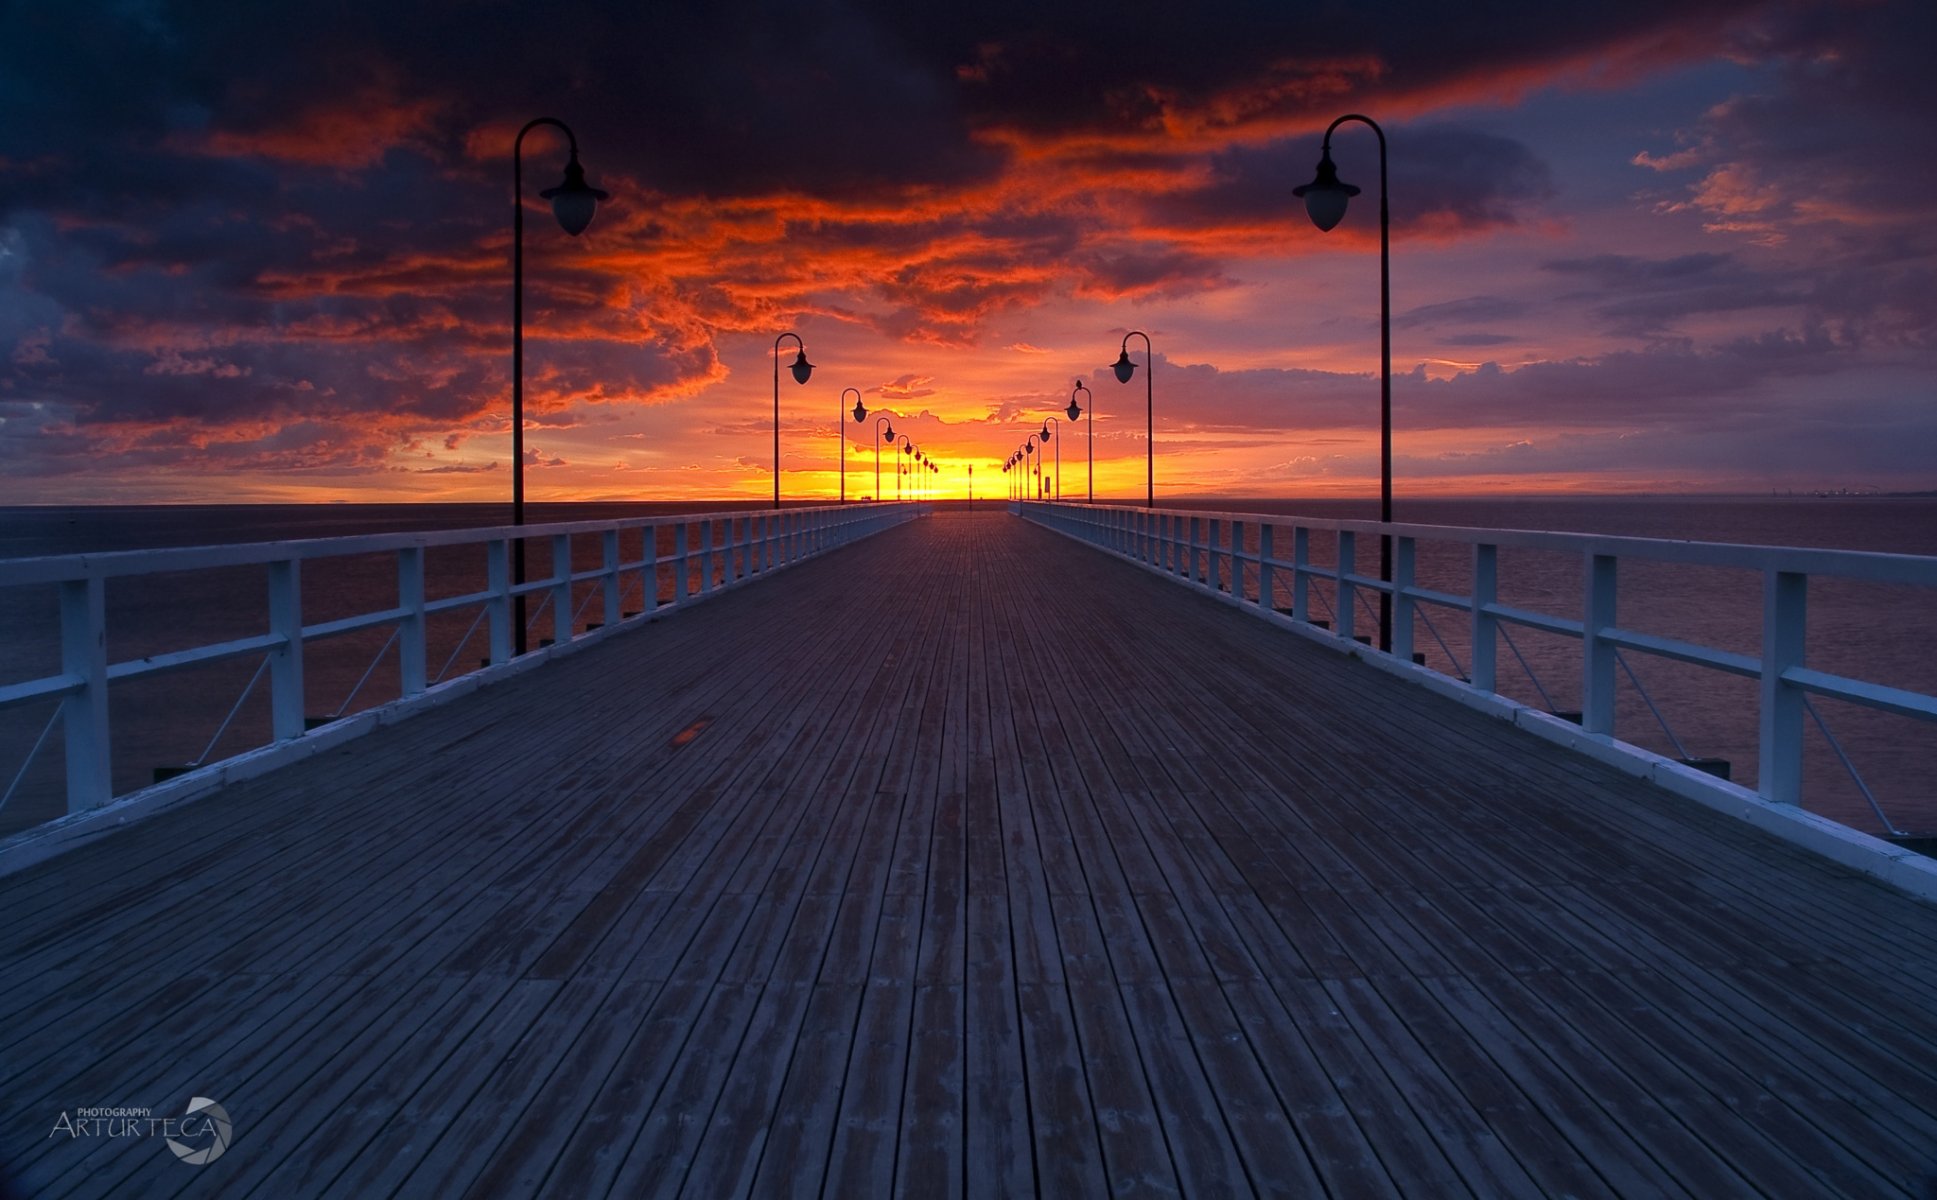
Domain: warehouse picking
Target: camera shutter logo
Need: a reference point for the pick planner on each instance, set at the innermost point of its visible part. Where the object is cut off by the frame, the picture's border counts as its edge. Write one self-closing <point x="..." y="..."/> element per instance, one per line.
<point x="218" y="1121"/>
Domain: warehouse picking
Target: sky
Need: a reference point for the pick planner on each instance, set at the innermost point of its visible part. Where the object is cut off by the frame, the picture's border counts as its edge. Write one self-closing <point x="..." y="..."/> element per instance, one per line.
<point x="258" y="252"/>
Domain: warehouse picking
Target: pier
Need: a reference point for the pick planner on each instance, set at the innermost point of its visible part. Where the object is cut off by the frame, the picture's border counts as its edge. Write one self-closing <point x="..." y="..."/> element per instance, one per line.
<point x="966" y="859"/>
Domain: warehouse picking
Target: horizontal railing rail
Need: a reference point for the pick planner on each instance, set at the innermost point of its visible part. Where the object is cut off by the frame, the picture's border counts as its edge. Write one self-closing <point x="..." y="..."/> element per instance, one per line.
<point x="726" y="549"/>
<point x="1210" y="551"/>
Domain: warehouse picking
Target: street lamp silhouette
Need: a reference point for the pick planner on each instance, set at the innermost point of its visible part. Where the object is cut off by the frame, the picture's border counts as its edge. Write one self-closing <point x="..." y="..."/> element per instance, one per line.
<point x="840" y="431"/>
<point x="1056" y="481"/>
<point x="1124" y="368"/>
<point x="1029" y="449"/>
<point x="801" y="369"/>
<point x="573" y="203"/>
<point x="901" y="469"/>
<point x="1075" y="410"/>
<point x="1325" y="199"/>
<point x="889" y="437"/>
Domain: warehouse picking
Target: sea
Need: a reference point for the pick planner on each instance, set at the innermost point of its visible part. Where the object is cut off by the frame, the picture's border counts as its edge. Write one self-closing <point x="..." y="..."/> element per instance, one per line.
<point x="1878" y="633"/>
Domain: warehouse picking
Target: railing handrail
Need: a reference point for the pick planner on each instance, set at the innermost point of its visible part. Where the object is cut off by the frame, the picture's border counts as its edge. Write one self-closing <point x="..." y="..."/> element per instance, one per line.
<point x="1180" y="542"/>
<point x="110" y="564"/>
<point x="1872" y="566"/>
<point x="742" y="543"/>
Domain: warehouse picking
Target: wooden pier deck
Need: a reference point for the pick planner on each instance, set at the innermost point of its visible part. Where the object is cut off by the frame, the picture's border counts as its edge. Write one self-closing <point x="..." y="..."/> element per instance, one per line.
<point x="966" y="860"/>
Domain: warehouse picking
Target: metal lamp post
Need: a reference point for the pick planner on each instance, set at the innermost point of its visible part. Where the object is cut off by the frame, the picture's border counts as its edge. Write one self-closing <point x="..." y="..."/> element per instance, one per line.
<point x="1124" y="368"/>
<point x="886" y="436"/>
<point x="1325" y="199"/>
<point x="1035" y="466"/>
<point x="573" y="203"/>
<point x="840" y="431"/>
<point x="801" y="369"/>
<point x="901" y="468"/>
<point x="1056" y="481"/>
<point x="1075" y="410"/>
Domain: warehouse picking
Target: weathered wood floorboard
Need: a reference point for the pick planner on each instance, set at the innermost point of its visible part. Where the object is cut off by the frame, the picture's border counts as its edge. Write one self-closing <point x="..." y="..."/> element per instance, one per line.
<point x="966" y="860"/>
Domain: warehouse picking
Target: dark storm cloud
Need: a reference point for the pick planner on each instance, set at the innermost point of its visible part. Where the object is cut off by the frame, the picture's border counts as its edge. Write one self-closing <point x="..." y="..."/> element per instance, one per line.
<point x="233" y="215"/>
<point x="1445" y="179"/>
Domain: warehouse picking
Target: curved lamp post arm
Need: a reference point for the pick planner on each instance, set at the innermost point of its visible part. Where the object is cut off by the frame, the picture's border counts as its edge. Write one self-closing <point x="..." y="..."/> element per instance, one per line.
<point x="1325" y="199"/>
<point x="573" y="203"/>
<point x="1076" y="411"/>
<point x="1124" y="368"/>
<point x="880" y="437"/>
<point x="1048" y="435"/>
<point x="840" y="430"/>
<point x="801" y="369"/>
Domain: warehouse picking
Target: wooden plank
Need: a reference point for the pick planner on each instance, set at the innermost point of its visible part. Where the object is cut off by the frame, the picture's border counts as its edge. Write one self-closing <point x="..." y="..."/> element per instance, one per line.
<point x="1032" y="873"/>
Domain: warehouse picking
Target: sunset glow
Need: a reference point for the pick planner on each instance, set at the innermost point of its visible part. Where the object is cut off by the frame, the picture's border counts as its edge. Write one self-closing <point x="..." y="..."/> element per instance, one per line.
<point x="1657" y="247"/>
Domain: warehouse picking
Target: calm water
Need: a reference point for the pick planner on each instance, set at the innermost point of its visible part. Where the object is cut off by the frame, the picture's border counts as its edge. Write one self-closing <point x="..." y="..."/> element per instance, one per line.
<point x="1867" y="631"/>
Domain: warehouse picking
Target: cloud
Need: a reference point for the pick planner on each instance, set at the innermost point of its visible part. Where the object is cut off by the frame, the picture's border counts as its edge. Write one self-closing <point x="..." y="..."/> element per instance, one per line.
<point x="268" y="237"/>
<point x="467" y="468"/>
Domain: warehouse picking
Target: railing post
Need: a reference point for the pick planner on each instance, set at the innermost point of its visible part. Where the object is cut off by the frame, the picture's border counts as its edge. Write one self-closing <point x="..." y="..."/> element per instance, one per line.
<point x="1266" y="600"/>
<point x="705" y="556"/>
<point x="1486" y="627"/>
<point x="683" y="574"/>
<point x="497" y="569"/>
<point x="1597" y="653"/>
<point x="1301" y="558"/>
<point x="84" y="714"/>
<point x="562" y="605"/>
<point x="649" y="568"/>
<point x="1212" y="568"/>
<point x="1785" y="607"/>
<point x="1237" y="560"/>
<point x="411" y="643"/>
<point x="286" y="660"/>
<point x="611" y="548"/>
<point x="1402" y="571"/>
<point x="1347" y="594"/>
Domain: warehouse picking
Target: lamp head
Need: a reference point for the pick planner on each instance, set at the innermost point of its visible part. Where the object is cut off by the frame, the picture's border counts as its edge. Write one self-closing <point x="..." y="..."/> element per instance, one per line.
<point x="1326" y="195"/>
<point x="1123" y="367"/>
<point x="1045" y="431"/>
<point x="888" y="434"/>
<point x="1074" y="410"/>
<point x="801" y="368"/>
<point x="860" y="412"/>
<point x="574" y="201"/>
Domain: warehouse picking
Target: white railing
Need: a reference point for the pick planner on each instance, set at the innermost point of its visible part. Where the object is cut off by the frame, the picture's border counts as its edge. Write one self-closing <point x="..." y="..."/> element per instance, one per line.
<point x="1240" y="557"/>
<point x="708" y="552"/>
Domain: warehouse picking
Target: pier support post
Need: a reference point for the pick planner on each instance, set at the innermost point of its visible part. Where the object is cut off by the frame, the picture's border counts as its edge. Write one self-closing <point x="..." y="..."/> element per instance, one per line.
<point x="1597" y="653"/>
<point x="682" y="562"/>
<point x="1785" y="596"/>
<point x="411" y="643"/>
<point x="610" y="540"/>
<point x="286" y="660"/>
<point x="1402" y="574"/>
<point x="1301" y="557"/>
<point x="1266" y="600"/>
<point x="1486" y="627"/>
<point x="1347" y="592"/>
<point x="562" y="606"/>
<point x="84" y="714"/>
<point x="497" y="567"/>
